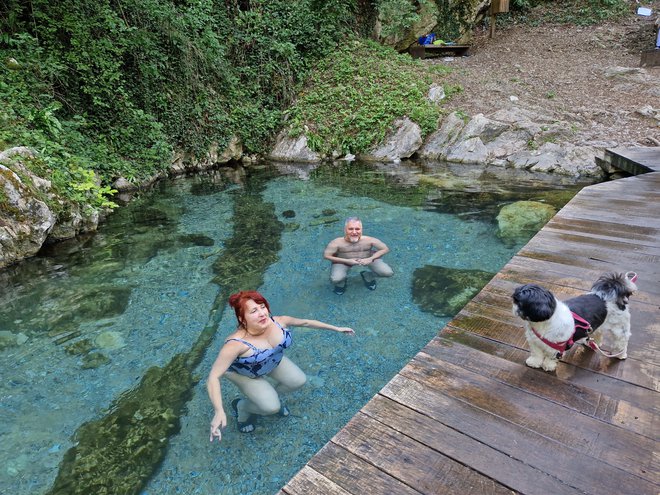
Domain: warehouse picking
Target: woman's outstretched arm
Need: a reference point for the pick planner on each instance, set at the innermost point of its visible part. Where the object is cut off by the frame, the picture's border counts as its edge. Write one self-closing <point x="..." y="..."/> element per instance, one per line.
<point x="291" y="321"/>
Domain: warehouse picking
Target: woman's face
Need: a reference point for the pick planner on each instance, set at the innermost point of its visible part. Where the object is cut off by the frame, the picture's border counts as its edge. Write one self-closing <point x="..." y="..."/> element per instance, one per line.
<point x="256" y="315"/>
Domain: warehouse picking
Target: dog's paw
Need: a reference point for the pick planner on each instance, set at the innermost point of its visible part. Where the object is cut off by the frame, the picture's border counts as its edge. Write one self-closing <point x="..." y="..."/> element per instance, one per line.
<point x="549" y="364"/>
<point x="533" y="362"/>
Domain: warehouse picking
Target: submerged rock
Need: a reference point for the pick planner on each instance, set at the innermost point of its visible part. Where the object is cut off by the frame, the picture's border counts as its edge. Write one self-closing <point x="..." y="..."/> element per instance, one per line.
<point x="519" y="221"/>
<point x="9" y="339"/>
<point x="94" y="360"/>
<point x="444" y="291"/>
<point x="110" y="340"/>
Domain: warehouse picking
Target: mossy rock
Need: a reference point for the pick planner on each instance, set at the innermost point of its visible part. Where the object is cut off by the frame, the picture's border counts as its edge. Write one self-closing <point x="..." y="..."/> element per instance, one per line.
<point x="110" y="340"/>
<point x="323" y="221"/>
<point x="94" y="360"/>
<point x="80" y="347"/>
<point x="444" y="291"/>
<point x="9" y="339"/>
<point x="519" y="221"/>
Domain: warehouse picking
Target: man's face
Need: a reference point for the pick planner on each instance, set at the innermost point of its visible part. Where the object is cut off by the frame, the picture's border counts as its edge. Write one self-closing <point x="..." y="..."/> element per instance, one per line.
<point x="353" y="231"/>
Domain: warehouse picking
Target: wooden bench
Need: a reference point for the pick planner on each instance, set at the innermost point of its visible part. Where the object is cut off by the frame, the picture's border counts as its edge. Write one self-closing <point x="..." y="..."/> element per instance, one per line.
<point x="425" y="51"/>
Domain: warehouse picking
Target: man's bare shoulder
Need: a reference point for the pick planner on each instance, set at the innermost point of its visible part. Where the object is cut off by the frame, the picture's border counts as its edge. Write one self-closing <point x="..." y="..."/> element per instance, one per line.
<point x="336" y="242"/>
<point x="371" y="240"/>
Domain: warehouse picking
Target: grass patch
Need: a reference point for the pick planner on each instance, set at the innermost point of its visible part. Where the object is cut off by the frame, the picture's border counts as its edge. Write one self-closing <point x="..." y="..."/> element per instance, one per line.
<point x="354" y="96"/>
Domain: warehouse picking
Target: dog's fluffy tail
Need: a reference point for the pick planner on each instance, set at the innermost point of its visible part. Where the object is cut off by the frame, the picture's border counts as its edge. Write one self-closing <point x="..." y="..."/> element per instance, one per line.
<point x="615" y="287"/>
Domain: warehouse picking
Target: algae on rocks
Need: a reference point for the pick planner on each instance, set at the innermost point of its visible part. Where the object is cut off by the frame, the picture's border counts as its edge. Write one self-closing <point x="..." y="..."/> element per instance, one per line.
<point x="118" y="453"/>
<point x="444" y="291"/>
<point x="519" y="221"/>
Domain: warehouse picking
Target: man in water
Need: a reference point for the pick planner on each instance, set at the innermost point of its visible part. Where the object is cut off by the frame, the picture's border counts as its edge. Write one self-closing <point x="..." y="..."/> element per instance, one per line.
<point x="356" y="249"/>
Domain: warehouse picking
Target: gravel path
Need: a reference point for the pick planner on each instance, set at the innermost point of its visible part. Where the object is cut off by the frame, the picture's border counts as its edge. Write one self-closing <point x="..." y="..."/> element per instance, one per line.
<point x="589" y="77"/>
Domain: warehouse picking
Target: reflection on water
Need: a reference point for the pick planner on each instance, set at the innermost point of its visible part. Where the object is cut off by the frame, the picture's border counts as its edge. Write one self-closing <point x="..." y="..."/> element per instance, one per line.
<point x="106" y="340"/>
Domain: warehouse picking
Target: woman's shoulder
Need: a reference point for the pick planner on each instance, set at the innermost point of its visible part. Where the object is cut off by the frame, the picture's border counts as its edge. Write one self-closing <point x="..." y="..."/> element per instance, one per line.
<point x="235" y="336"/>
<point x="283" y="321"/>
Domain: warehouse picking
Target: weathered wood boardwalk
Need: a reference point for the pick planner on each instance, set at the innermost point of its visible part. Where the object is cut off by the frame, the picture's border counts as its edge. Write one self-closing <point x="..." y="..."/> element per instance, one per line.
<point x="466" y="416"/>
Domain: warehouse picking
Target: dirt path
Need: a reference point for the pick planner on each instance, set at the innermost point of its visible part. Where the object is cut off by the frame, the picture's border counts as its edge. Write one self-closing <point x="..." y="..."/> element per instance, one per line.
<point x="589" y="77"/>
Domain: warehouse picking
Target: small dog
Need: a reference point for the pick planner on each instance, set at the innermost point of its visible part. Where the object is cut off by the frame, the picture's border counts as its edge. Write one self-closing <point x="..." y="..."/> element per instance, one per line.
<point x="553" y="326"/>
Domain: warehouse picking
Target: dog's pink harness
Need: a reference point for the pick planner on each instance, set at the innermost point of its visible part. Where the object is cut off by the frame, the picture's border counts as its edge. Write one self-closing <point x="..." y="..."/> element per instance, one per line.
<point x="581" y="324"/>
<point x="560" y="347"/>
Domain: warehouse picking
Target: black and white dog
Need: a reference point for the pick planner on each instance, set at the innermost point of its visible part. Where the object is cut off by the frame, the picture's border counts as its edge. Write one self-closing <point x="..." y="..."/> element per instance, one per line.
<point x="553" y="326"/>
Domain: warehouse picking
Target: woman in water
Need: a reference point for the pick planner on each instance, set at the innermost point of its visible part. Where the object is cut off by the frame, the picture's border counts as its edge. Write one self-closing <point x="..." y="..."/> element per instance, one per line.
<point x="256" y="350"/>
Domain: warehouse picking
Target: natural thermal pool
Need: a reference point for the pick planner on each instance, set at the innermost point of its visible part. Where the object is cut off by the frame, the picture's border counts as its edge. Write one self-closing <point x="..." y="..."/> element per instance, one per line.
<point x="107" y="339"/>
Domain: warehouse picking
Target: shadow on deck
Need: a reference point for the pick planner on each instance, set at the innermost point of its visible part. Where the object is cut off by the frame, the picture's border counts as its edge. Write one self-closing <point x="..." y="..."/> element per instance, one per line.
<point x="467" y="416"/>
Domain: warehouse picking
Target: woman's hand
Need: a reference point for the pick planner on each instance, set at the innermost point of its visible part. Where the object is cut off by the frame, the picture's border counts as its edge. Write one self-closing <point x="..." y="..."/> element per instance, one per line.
<point x="218" y="422"/>
<point x="347" y="330"/>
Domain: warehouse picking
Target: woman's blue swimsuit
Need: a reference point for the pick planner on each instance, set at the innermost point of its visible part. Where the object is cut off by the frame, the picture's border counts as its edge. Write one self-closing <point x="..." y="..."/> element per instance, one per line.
<point x="261" y="361"/>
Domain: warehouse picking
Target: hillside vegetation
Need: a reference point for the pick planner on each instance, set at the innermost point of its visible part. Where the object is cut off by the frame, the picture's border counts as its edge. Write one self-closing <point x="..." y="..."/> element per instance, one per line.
<point x="106" y="88"/>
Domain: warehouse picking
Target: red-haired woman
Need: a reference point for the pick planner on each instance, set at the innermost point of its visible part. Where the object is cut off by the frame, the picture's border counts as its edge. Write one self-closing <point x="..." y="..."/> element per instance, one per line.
<point x="256" y="350"/>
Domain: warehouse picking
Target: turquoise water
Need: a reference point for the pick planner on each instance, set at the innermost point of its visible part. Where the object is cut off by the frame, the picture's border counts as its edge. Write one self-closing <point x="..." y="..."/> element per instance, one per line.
<point x="85" y="320"/>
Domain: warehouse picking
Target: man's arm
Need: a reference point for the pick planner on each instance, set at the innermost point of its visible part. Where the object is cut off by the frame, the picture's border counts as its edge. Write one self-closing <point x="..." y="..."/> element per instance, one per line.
<point x="380" y="247"/>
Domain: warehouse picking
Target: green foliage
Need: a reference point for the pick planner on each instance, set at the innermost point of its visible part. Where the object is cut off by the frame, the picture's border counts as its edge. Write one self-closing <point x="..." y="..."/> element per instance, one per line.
<point x="117" y="86"/>
<point x="355" y="95"/>
<point x="397" y="16"/>
<point x="454" y="19"/>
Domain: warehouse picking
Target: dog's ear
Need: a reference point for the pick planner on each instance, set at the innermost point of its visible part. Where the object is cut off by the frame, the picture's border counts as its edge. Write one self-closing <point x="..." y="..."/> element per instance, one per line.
<point x="534" y="302"/>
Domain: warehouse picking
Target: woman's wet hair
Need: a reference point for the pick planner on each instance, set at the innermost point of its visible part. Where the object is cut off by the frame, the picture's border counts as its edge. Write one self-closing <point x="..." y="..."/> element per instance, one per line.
<point x="238" y="301"/>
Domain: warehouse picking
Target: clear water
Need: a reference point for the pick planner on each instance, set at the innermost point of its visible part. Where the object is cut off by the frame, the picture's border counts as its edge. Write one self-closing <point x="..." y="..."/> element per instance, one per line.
<point x="141" y="290"/>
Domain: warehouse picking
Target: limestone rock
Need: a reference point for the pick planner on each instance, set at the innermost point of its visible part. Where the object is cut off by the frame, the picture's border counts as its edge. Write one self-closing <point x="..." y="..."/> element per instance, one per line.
<point x="444" y="291"/>
<point x="25" y="220"/>
<point x="519" y="221"/>
<point x="183" y="162"/>
<point x="288" y="149"/>
<point x="436" y="93"/>
<point x="402" y="142"/>
<point x="514" y="138"/>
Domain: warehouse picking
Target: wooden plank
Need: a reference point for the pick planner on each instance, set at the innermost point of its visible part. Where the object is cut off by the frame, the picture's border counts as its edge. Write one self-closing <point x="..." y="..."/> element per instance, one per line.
<point x="600" y="261"/>
<point x="518" y="441"/>
<point x="548" y="386"/>
<point x="633" y="160"/>
<point x="546" y="247"/>
<point x="495" y="329"/>
<point x="643" y="344"/>
<point x="503" y="468"/>
<point x="633" y="234"/>
<point x="522" y="270"/>
<point x="415" y="464"/>
<point x="581" y="207"/>
<point x="351" y="473"/>
<point x="612" y="445"/>
<point x="308" y="481"/>
<point x="582" y="242"/>
<point x="639" y="369"/>
<point x="638" y="397"/>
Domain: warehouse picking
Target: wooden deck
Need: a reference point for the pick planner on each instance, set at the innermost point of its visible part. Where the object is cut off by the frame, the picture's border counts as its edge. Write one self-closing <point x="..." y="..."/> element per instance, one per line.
<point x="466" y="416"/>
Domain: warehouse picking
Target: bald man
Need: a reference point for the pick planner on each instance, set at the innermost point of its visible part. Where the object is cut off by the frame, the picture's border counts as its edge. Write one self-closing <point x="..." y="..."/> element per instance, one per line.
<point x="356" y="249"/>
